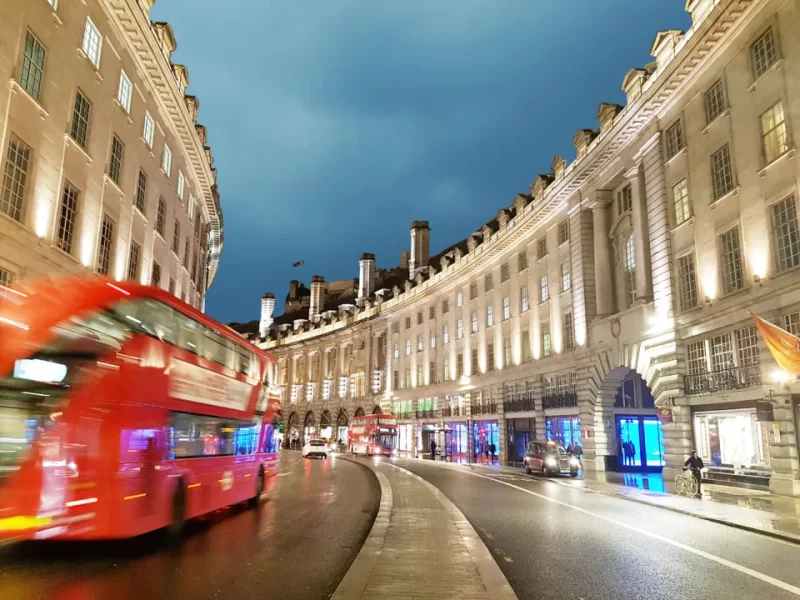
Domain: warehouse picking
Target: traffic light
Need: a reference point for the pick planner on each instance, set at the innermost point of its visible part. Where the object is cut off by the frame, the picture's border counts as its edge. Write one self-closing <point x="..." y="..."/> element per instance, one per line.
<point x="281" y="427"/>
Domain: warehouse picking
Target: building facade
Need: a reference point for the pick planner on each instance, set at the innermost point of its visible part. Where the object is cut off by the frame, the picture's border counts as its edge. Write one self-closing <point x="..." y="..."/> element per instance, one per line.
<point x="605" y="307"/>
<point x="105" y="168"/>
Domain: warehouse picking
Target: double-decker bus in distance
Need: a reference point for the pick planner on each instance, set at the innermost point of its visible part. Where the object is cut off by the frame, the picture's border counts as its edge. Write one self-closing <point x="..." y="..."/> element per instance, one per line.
<point x="373" y="435"/>
<point x="124" y="410"/>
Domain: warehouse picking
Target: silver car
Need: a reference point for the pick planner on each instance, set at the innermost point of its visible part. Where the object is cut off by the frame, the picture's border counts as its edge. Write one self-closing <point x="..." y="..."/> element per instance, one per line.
<point x="550" y="458"/>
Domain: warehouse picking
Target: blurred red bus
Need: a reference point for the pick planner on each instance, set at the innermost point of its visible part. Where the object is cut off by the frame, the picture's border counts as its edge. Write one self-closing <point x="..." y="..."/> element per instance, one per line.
<point x="373" y="435"/>
<point x="124" y="410"/>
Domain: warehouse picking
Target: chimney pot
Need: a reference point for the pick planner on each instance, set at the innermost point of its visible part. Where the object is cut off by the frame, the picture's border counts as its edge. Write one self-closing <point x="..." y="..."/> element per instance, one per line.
<point x="319" y="294"/>
<point x="366" y="275"/>
<point x="420" y="247"/>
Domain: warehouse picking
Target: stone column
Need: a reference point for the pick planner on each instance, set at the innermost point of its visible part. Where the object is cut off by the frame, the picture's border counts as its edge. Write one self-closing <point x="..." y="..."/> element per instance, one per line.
<point x="597" y="417"/>
<point x="603" y="267"/>
<point x="641" y="235"/>
<point x="581" y="245"/>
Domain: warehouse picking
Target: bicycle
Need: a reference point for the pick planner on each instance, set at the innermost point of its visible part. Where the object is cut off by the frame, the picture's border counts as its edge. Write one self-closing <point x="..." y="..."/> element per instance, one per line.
<point x="685" y="483"/>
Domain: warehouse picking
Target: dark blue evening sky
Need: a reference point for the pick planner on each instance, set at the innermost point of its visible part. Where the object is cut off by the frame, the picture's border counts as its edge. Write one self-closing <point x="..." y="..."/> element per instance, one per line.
<point x="335" y="123"/>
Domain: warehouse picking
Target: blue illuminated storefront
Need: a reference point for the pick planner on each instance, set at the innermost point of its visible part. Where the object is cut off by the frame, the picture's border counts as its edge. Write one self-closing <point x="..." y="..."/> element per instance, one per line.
<point x="564" y="430"/>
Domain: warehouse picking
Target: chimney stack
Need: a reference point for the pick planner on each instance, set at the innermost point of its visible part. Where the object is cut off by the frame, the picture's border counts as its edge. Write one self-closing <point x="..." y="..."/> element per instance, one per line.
<point x="404" y="259"/>
<point x="267" y="310"/>
<point x="420" y="247"/>
<point x="366" y="275"/>
<point x="318" y="296"/>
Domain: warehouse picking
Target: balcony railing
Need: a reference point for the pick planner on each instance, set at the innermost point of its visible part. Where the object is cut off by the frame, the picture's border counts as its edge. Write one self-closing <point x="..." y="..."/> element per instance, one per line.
<point x="738" y="378"/>
<point x="426" y="414"/>
<point x="564" y="400"/>
<point x="519" y="404"/>
<point x="453" y="411"/>
<point x="483" y="409"/>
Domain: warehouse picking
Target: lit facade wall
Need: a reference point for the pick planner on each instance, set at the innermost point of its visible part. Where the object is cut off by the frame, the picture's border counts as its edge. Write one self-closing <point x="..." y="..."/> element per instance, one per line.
<point x="679" y="211"/>
<point x="136" y="119"/>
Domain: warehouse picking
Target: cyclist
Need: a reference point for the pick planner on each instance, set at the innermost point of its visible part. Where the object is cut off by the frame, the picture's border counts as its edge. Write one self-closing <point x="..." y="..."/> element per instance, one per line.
<point x="695" y="464"/>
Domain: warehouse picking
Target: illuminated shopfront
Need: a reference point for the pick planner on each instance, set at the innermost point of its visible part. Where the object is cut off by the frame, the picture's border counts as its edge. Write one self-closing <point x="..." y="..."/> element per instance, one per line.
<point x="484" y="435"/>
<point x="565" y="430"/>
<point x="405" y="438"/>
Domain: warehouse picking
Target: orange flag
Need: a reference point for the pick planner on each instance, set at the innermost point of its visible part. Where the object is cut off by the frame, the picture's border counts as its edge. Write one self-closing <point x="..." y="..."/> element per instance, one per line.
<point x="784" y="346"/>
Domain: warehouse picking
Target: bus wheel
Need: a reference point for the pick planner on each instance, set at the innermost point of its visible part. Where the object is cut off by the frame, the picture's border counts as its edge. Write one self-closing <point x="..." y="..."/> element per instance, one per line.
<point x="175" y="528"/>
<point x="259" y="488"/>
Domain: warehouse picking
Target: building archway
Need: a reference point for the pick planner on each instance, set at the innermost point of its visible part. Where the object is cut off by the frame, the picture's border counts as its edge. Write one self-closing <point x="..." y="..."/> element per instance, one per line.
<point x="325" y="426"/>
<point x="377" y="410"/>
<point x="292" y="437"/>
<point x="309" y="426"/>
<point x="342" y="429"/>
<point x="359" y="412"/>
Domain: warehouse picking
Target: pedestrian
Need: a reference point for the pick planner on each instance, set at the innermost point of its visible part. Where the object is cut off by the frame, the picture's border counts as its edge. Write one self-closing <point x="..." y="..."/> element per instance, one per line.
<point x="492" y="449"/>
<point x="433" y="449"/>
<point x="695" y="464"/>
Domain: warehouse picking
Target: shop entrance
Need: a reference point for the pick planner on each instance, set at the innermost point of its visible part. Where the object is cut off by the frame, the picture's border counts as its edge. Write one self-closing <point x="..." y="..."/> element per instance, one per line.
<point x="341" y="430"/>
<point x="640" y="443"/>
<point x="520" y="432"/>
<point x="486" y="440"/>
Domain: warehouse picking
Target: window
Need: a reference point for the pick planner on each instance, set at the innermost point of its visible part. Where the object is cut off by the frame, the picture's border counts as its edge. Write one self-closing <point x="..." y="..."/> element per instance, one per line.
<point x="191" y="205"/>
<point x="546" y="348"/>
<point x="419" y="343"/>
<point x="176" y="237"/>
<point x="696" y="358"/>
<point x="687" y="276"/>
<point x="419" y="317"/>
<point x="504" y="273"/>
<point x="408" y="347"/>
<point x="523" y="299"/>
<point x="105" y="249"/>
<point x="171" y="286"/>
<point x="674" y="139"/>
<point x="474" y="365"/>
<point x="133" y="261"/>
<point x="473" y="290"/>
<point x="541" y="248"/>
<point x="490" y="357"/>
<point x="125" y="92"/>
<point x="155" y="279"/>
<point x="141" y="191"/>
<point x="763" y="53"/>
<point x="80" y="120"/>
<point x="166" y="160"/>
<point x="732" y="276"/>
<point x="32" y="72"/>
<point x="563" y="232"/>
<point x="115" y="161"/>
<point x="506" y="308"/>
<point x="433" y="340"/>
<point x="67" y="218"/>
<point x="445" y="335"/>
<point x="396" y="352"/>
<point x="714" y="101"/>
<point x="721" y="172"/>
<point x="408" y="323"/>
<point x="459" y="365"/>
<point x="791" y="323"/>
<point x="407" y="378"/>
<point x="630" y="268"/>
<point x="569" y="331"/>
<point x="181" y="182"/>
<point x="522" y="261"/>
<point x="544" y="292"/>
<point x="625" y="200"/>
<point x="721" y="352"/>
<point x="395" y="327"/>
<point x="680" y="200"/>
<point x="773" y="132"/>
<point x="6" y="277"/>
<point x="459" y="329"/>
<point x="432" y="312"/>
<point x="747" y="346"/>
<point x="489" y="316"/>
<point x="446" y="369"/>
<point x="15" y="176"/>
<point x="445" y="307"/>
<point x="506" y="352"/>
<point x="474" y="322"/>
<point x="785" y="234"/>
<point x="186" y="253"/>
<point x="432" y="373"/>
<point x="459" y="298"/>
<point x="566" y="278"/>
<point x="92" y="43"/>
<point x="149" y="129"/>
<point x="525" y="342"/>
<point x="488" y="285"/>
<point x="161" y="217"/>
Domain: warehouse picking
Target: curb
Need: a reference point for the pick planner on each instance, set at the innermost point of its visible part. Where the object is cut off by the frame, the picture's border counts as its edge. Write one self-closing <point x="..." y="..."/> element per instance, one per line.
<point x="783" y="536"/>
<point x="357" y="577"/>
<point x="494" y="581"/>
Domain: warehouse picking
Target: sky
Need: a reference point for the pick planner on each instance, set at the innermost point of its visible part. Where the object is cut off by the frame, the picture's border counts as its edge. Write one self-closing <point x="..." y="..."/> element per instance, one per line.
<point x="336" y="123"/>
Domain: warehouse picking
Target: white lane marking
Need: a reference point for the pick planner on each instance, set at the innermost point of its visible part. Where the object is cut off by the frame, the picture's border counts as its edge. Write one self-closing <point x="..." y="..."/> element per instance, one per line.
<point x="717" y="559"/>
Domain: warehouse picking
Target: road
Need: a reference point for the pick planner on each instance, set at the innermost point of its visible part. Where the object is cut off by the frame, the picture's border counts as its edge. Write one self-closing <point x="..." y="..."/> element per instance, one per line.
<point x="553" y="541"/>
<point x="297" y="545"/>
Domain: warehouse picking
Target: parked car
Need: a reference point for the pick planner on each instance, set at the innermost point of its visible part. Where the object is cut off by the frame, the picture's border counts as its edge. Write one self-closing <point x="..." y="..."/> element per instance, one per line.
<point x="315" y="448"/>
<point x="550" y="458"/>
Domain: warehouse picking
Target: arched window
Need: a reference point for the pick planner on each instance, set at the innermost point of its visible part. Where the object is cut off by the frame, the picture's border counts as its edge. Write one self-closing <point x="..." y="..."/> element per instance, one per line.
<point x="629" y="262"/>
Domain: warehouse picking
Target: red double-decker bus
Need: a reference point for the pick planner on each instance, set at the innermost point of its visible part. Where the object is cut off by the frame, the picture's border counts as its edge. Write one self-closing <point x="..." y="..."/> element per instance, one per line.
<point x="373" y="435"/>
<point x="124" y="410"/>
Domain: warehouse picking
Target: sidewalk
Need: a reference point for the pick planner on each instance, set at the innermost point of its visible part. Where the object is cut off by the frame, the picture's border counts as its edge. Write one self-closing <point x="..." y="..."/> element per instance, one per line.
<point x="757" y="511"/>
<point x="420" y="546"/>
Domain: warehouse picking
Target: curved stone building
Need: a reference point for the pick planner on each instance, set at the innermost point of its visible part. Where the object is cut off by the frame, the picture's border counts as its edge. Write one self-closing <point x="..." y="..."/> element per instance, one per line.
<point x="604" y="306"/>
<point x="104" y="166"/>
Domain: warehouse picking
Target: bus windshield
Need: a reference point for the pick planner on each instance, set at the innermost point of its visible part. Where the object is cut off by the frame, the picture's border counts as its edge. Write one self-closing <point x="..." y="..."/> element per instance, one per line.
<point x="32" y="396"/>
<point x="387" y="441"/>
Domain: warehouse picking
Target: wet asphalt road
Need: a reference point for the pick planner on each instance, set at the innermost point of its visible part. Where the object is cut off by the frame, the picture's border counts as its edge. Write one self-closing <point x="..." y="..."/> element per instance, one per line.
<point x="566" y="544"/>
<point x="297" y="545"/>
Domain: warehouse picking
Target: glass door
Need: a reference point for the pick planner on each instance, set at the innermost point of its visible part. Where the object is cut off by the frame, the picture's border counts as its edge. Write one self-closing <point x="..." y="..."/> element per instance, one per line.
<point x="653" y="442"/>
<point x="630" y="443"/>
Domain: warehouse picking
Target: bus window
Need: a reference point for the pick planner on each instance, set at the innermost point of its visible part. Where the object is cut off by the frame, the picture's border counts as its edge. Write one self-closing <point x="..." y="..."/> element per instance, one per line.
<point x="216" y="348"/>
<point x="149" y="317"/>
<point x="198" y="435"/>
<point x="189" y="334"/>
